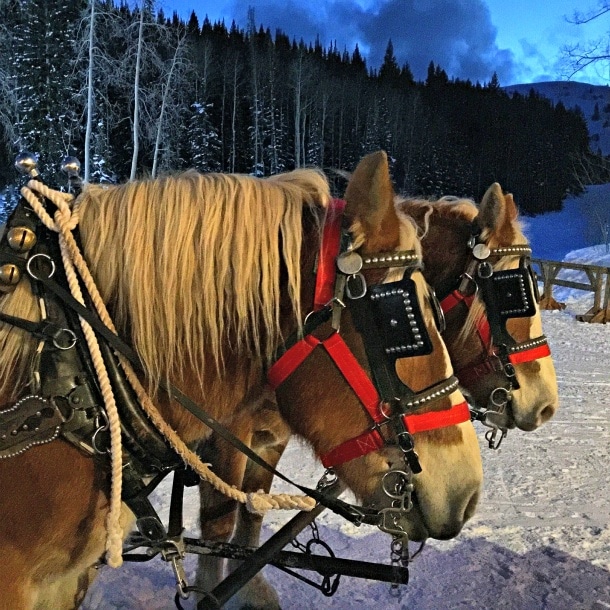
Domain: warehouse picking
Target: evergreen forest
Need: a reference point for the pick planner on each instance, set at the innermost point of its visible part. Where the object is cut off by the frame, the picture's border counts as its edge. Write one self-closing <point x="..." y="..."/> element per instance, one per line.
<point x="133" y="92"/>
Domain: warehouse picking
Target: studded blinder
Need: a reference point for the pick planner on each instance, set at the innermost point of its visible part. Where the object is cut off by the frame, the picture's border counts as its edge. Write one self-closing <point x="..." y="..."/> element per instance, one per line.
<point x="399" y="319"/>
<point x="516" y="291"/>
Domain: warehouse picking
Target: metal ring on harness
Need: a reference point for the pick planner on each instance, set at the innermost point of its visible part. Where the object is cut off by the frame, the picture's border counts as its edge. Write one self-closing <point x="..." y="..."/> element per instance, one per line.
<point x="400" y="485"/>
<point x="30" y="270"/>
<point x="382" y="409"/>
<point x="69" y="343"/>
<point x="101" y="427"/>
<point x="500" y="402"/>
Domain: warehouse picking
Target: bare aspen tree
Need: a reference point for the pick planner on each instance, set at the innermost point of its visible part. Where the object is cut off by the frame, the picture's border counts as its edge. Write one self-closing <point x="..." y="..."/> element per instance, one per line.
<point x="256" y="103"/>
<point x="8" y="97"/>
<point x="300" y="78"/>
<point x="89" y="122"/>
<point x="136" y="94"/>
<point x="594" y="53"/>
<point x="177" y="64"/>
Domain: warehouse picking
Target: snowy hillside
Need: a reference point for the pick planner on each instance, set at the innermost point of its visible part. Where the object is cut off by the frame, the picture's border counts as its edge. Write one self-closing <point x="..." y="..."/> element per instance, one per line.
<point x="578" y="225"/>
<point x="585" y="96"/>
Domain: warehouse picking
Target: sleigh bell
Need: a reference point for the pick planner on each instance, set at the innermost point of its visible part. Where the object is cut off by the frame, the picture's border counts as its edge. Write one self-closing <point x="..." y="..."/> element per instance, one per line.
<point x="9" y="277"/>
<point x="21" y="239"/>
<point x="26" y="164"/>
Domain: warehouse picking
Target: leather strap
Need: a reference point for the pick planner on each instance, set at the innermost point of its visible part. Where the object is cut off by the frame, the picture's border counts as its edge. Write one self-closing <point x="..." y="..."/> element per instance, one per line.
<point x="329" y="248"/>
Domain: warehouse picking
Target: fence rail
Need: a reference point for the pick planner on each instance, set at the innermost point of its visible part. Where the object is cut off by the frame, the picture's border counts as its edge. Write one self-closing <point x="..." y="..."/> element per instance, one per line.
<point x="598" y="283"/>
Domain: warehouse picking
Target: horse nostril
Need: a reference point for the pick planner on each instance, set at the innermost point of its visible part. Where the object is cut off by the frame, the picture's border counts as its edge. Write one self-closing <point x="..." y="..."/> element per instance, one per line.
<point x="546" y="413"/>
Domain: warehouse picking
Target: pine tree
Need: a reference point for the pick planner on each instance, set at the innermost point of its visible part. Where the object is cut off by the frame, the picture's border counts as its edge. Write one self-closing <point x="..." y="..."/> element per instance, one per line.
<point x="204" y="145"/>
<point x="42" y="57"/>
<point x="389" y="73"/>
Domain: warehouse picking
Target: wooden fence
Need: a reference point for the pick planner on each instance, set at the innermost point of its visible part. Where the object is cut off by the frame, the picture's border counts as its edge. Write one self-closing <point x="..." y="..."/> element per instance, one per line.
<point x="598" y="283"/>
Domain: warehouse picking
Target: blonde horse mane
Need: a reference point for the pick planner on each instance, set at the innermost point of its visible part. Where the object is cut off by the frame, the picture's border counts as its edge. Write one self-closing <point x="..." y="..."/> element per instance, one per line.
<point x="189" y="265"/>
<point x="464" y="209"/>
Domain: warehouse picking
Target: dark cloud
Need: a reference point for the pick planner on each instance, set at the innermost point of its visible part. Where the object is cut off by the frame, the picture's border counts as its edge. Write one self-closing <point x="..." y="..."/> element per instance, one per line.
<point x="458" y="35"/>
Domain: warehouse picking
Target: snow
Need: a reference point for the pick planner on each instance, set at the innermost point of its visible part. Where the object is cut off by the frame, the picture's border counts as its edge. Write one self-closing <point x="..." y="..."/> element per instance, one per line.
<point x="540" y="539"/>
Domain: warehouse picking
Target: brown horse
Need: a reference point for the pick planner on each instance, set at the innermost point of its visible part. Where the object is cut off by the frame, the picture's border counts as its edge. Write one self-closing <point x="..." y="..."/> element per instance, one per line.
<point x="206" y="276"/>
<point x="524" y="382"/>
<point x="447" y="227"/>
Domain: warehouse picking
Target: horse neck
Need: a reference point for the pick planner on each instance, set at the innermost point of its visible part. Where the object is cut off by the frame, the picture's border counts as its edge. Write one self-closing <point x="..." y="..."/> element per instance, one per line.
<point x="222" y="396"/>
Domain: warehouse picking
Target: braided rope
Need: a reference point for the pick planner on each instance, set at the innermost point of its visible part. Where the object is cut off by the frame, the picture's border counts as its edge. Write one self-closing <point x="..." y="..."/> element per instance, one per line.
<point x="64" y="222"/>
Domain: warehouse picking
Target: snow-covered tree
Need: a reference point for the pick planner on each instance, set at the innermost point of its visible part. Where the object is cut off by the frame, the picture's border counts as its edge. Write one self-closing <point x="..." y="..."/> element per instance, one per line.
<point x="48" y="123"/>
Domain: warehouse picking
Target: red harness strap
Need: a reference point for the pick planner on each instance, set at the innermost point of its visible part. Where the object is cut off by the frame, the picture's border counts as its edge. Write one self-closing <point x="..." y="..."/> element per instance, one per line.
<point x="530" y="354"/>
<point x="335" y="346"/>
<point x="372" y="440"/>
<point x="329" y="248"/>
<point x="344" y="359"/>
<point x="471" y="373"/>
<point x="454" y="299"/>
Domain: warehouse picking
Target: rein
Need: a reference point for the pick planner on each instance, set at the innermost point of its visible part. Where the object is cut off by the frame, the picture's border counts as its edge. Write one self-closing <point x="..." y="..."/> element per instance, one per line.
<point x="506" y="294"/>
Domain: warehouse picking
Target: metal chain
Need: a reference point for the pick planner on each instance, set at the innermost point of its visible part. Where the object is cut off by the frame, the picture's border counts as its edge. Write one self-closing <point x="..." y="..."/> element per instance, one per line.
<point x="399" y="557"/>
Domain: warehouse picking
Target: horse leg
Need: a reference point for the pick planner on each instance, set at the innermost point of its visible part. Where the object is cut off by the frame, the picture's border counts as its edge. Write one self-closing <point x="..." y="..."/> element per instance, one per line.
<point x="269" y="441"/>
<point x="216" y="511"/>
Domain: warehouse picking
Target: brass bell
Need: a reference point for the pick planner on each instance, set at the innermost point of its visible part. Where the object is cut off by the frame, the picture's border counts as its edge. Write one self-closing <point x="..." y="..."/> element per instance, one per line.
<point x="21" y="239"/>
<point x="10" y="274"/>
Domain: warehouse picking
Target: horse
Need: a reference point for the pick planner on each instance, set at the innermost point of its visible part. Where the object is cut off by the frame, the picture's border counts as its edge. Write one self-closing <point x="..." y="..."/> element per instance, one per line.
<point x="201" y="283"/>
<point x="503" y="394"/>
<point x="493" y="332"/>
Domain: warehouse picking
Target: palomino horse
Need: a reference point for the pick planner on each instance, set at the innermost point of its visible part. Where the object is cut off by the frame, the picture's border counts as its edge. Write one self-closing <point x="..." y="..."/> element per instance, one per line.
<point x="207" y="277"/>
<point x="521" y="390"/>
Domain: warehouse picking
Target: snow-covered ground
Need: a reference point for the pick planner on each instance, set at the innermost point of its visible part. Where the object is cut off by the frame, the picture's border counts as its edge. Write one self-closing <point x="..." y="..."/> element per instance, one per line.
<point x="541" y="537"/>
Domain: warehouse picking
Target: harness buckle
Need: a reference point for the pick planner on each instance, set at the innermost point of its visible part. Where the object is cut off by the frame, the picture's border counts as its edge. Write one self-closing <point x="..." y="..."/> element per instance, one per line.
<point x="355" y="286"/>
<point x="173" y="553"/>
<point x="485" y="270"/>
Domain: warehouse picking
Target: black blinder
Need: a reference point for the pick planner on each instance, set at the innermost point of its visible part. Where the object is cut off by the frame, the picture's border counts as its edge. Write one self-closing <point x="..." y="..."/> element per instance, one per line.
<point x="534" y="278"/>
<point x="515" y="293"/>
<point x="399" y="319"/>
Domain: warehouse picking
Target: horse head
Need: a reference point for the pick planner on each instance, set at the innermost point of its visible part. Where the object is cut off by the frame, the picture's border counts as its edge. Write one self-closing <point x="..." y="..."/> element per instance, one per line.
<point x="477" y="259"/>
<point x="409" y="428"/>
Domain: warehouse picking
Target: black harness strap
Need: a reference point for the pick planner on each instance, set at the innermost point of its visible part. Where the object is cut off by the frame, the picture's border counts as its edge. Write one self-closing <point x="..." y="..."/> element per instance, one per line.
<point x="346" y="510"/>
<point x="41" y="330"/>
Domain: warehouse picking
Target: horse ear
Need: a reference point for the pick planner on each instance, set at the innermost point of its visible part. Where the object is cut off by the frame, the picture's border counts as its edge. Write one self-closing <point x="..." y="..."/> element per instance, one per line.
<point x="497" y="212"/>
<point x="370" y="201"/>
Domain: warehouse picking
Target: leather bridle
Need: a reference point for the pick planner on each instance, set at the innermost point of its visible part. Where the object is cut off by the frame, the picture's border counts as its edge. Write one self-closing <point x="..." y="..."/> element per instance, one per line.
<point x="510" y="293"/>
<point x="391" y="324"/>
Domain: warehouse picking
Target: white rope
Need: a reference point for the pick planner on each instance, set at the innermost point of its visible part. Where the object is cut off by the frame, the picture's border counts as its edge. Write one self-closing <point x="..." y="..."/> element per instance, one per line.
<point x="64" y="222"/>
